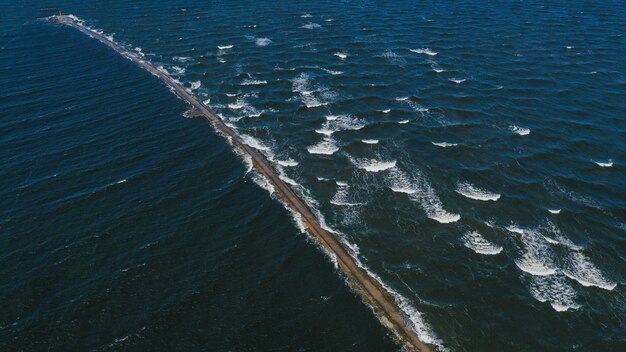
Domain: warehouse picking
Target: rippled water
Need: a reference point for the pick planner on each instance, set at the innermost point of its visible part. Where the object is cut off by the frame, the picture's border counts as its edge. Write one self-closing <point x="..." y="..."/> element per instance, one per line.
<point x="470" y="155"/>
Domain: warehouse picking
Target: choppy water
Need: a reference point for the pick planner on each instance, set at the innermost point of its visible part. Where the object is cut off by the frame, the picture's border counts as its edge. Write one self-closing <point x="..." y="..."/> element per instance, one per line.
<point x="470" y="155"/>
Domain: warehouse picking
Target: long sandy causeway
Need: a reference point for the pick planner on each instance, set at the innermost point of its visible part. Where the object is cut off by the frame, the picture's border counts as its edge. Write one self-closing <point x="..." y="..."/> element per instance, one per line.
<point x="370" y="290"/>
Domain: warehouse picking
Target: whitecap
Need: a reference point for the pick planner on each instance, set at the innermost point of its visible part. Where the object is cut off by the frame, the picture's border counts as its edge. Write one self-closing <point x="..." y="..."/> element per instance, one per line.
<point x="253" y="142"/>
<point x="340" y="55"/>
<point x="306" y="15"/>
<point x="195" y="85"/>
<point x="373" y="165"/>
<point x="288" y="162"/>
<point x="402" y="98"/>
<point x="604" y="164"/>
<point x="578" y="267"/>
<point x="554" y="211"/>
<point x="569" y="47"/>
<point x="332" y="72"/>
<point x="324" y="131"/>
<point x="178" y="70"/>
<point x="537" y="258"/>
<point x="455" y="80"/>
<point x="370" y="141"/>
<point x="474" y="241"/>
<point x="444" y="144"/>
<point x="386" y="111"/>
<point x="325" y="147"/>
<point x="555" y="290"/>
<point x="181" y="58"/>
<point x="262" y="41"/>
<point x="342" y="184"/>
<point x="519" y="130"/>
<point x="225" y="47"/>
<point x="262" y="182"/>
<point x="252" y="82"/>
<point x="311" y="25"/>
<point x="426" y="51"/>
<point x="403" y="122"/>
<point x="470" y="191"/>
<point x="421" y="192"/>
<point x="332" y="117"/>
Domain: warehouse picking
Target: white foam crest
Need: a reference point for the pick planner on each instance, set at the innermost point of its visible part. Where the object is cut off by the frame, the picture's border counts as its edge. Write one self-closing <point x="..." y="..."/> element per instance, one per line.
<point x="537" y="258"/>
<point x="342" y="183"/>
<point x="245" y="108"/>
<point x="555" y="290"/>
<point x="578" y="267"/>
<point x="519" y="130"/>
<point x="403" y="122"/>
<point x="311" y="25"/>
<point x="470" y="191"/>
<point x="370" y="141"/>
<point x="332" y="72"/>
<point x="336" y="123"/>
<point x="456" y="80"/>
<point x="444" y="144"/>
<point x="262" y="41"/>
<point x="164" y="70"/>
<point x="253" y="142"/>
<point x="326" y="147"/>
<point x="435" y="66"/>
<point x="195" y="85"/>
<point x="252" y="82"/>
<point x="476" y="242"/>
<point x="373" y="165"/>
<point x="386" y="111"/>
<point x="516" y="229"/>
<point x="306" y="15"/>
<point x="342" y="198"/>
<point x="262" y="182"/>
<point x="604" y="164"/>
<point x="302" y="86"/>
<point x="553" y="234"/>
<point x="178" y="70"/>
<point x="555" y="211"/>
<point x="421" y="192"/>
<point x="181" y="58"/>
<point x="426" y="51"/>
<point x="225" y="47"/>
<point x="341" y="55"/>
<point x="287" y="163"/>
<point x="402" y="98"/>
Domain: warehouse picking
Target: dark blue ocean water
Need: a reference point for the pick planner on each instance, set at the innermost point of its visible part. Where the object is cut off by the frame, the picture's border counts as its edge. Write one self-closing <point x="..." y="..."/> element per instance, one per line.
<point x="471" y="155"/>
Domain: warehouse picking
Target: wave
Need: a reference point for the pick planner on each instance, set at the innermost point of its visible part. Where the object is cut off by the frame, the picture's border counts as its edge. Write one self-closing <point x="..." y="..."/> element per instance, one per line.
<point x="178" y="70"/>
<point x="262" y="41"/>
<point x="195" y="85"/>
<point x="252" y="82"/>
<point x="373" y="165"/>
<point x="341" y="55"/>
<point x="386" y="111"/>
<point x="555" y="290"/>
<point x="426" y="51"/>
<point x="325" y="147"/>
<point x="403" y="122"/>
<point x="225" y="47"/>
<point x="455" y="80"/>
<point x="578" y="267"/>
<point x="370" y="141"/>
<point x="444" y="144"/>
<point x="288" y="162"/>
<point x="537" y="258"/>
<point x="470" y="191"/>
<point x="435" y="66"/>
<point x="263" y="182"/>
<point x="309" y="96"/>
<point x="306" y="15"/>
<point x="604" y="164"/>
<point x="555" y="211"/>
<point x="181" y="58"/>
<point x="336" y="123"/>
<point x="402" y="98"/>
<point x="311" y="25"/>
<point x="253" y="142"/>
<point x="519" y="130"/>
<point x="477" y="243"/>
<point x="421" y="192"/>
<point x="332" y="72"/>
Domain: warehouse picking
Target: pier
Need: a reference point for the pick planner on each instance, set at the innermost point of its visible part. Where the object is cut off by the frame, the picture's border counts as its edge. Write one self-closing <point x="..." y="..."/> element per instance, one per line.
<point x="365" y="285"/>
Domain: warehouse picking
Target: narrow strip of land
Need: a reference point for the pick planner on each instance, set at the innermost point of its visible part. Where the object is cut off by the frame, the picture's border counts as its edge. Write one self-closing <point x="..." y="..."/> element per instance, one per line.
<point x="370" y="290"/>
